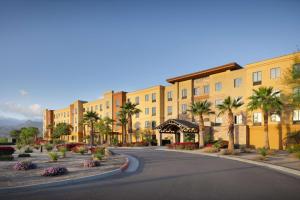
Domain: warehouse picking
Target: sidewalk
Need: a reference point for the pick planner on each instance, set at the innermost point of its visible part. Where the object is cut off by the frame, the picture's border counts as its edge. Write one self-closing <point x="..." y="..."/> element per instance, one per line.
<point x="280" y="161"/>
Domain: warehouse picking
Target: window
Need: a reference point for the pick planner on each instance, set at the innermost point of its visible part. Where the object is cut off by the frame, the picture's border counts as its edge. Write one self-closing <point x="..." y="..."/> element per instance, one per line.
<point x="107" y="104"/>
<point x="117" y="103"/>
<point x="218" y="102"/>
<point x="92" y="108"/>
<point x="147" y="97"/>
<point x="170" y="95"/>
<point x="218" y="121"/>
<point x="238" y="119"/>
<point x="184" y="93"/>
<point x="275" y="73"/>
<point x="296" y="116"/>
<point x="146" y="111"/>
<point x="206" y="89"/>
<point x="169" y="110"/>
<point x="257" y="118"/>
<point x="147" y="124"/>
<point x="153" y="124"/>
<point x="183" y="108"/>
<point x="75" y="129"/>
<point x="64" y="114"/>
<point x="218" y="87"/>
<point x="96" y="107"/>
<point x="296" y="71"/>
<point x="256" y="78"/>
<point x="137" y="115"/>
<point x="153" y="111"/>
<point x="296" y="91"/>
<point x="87" y="109"/>
<point x="275" y="117"/>
<point x="128" y="100"/>
<point x="100" y="107"/>
<point x="137" y="100"/>
<point x="237" y="82"/>
<point x="75" y="110"/>
<point x="153" y="97"/>
<point x="196" y="91"/>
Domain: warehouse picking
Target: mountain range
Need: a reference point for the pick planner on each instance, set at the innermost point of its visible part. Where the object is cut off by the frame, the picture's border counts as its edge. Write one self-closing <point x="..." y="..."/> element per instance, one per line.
<point x="8" y="124"/>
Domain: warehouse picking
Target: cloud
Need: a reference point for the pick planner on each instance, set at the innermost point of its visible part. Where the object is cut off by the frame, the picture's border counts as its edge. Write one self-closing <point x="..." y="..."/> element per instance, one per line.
<point x="19" y="111"/>
<point x="23" y="92"/>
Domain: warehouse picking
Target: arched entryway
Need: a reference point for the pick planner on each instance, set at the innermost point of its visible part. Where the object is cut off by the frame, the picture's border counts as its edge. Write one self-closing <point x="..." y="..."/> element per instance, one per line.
<point x="177" y="127"/>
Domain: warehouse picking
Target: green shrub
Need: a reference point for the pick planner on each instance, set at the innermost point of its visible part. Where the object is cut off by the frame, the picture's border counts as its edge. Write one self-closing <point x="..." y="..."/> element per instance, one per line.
<point x="297" y="154"/>
<point x="6" y="158"/>
<point x="49" y="147"/>
<point x="53" y="156"/>
<point x="63" y="151"/>
<point x="24" y="155"/>
<point x="293" y="148"/>
<point x="28" y="150"/>
<point x="263" y="151"/>
<point x="81" y="150"/>
<point x="211" y="149"/>
<point x="97" y="156"/>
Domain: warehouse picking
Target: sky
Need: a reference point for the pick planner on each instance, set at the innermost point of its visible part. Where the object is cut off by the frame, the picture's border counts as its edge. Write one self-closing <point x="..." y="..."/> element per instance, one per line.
<point x="55" y="52"/>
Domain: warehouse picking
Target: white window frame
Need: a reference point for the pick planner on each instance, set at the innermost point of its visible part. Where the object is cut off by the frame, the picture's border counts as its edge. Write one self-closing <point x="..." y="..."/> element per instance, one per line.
<point x="257" y="118"/>
<point x="275" y="117"/>
<point x="206" y="89"/>
<point x="237" y="82"/>
<point x="218" y="86"/>
<point x="275" y="73"/>
<point x="296" y="115"/>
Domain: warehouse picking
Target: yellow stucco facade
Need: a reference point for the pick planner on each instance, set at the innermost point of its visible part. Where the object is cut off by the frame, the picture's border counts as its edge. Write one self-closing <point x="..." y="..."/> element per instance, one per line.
<point x="160" y="103"/>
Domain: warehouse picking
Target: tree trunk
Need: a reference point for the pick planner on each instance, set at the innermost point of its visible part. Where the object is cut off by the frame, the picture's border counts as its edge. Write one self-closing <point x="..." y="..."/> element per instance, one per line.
<point x="124" y="134"/>
<point x="92" y="135"/>
<point x="230" y="131"/>
<point x="266" y="131"/>
<point x="201" y="131"/>
<point x="130" y="128"/>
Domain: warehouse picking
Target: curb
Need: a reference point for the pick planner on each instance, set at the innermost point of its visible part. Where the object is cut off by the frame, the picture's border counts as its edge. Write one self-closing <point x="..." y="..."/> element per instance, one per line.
<point x="271" y="166"/>
<point x="72" y="181"/>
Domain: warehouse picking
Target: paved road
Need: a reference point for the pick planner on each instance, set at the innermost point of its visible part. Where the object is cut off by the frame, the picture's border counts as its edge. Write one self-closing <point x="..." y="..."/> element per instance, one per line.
<point x="173" y="175"/>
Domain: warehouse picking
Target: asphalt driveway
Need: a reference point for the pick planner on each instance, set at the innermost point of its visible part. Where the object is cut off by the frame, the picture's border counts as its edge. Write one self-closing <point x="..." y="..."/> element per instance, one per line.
<point x="173" y="175"/>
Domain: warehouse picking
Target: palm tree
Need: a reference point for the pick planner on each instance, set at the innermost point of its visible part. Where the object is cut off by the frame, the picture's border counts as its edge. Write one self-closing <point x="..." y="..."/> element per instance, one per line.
<point x="108" y="122"/>
<point x="201" y="108"/>
<point x="90" y="118"/>
<point x="268" y="101"/>
<point x="122" y="118"/>
<point x="228" y="106"/>
<point x="130" y="109"/>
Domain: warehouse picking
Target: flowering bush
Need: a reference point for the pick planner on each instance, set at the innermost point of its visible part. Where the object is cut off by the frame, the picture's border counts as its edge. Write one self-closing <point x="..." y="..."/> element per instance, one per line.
<point x="91" y="163"/>
<point x="6" y="151"/>
<point x="183" y="145"/>
<point x="24" y="165"/>
<point x="54" y="171"/>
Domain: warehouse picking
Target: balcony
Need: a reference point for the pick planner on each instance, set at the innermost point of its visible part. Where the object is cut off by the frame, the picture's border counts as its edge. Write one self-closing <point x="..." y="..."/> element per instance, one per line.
<point x="256" y="83"/>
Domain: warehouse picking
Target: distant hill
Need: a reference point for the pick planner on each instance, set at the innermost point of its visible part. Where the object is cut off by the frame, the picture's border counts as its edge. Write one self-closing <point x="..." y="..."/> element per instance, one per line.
<point x="6" y="125"/>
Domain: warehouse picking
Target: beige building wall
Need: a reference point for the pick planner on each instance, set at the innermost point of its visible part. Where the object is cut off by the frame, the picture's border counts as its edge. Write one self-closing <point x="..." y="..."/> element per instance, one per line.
<point x="151" y="102"/>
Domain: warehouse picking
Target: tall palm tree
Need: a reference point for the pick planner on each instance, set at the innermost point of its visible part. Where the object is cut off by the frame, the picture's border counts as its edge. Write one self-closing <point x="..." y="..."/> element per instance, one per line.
<point x="268" y="101"/>
<point x="122" y="120"/>
<point x="229" y="104"/>
<point x="201" y="108"/>
<point x="90" y="118"/>
<point x="130" y="109"/>
<point x="108" y="122"/>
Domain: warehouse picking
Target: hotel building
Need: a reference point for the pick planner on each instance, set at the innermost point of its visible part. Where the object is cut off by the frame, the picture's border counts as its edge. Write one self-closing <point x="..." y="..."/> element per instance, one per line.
<point x="162" y="103"/>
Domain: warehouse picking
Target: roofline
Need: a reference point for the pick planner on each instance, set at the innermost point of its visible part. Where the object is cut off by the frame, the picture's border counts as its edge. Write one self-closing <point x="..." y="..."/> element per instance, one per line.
<point x="206" y="72"/>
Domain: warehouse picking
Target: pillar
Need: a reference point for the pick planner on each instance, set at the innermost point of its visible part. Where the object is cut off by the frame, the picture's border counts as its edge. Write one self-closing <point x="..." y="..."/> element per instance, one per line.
<point x="181" y="137"/>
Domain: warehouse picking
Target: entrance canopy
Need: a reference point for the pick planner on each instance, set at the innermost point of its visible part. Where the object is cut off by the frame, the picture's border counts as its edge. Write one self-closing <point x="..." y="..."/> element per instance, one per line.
<point x="175" y="125"/>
